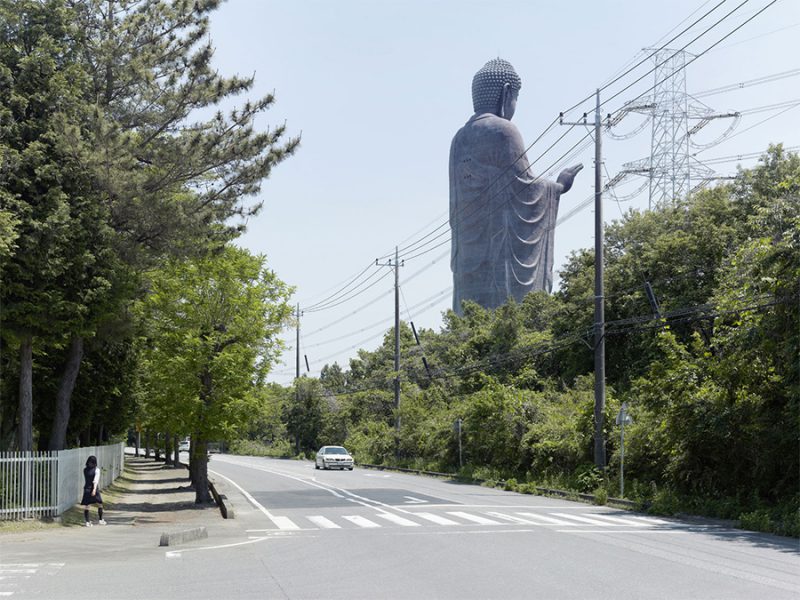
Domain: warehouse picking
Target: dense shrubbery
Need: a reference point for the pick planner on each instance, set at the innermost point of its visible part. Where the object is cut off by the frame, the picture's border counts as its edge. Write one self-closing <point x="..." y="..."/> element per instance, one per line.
<point x="712" y="386"/>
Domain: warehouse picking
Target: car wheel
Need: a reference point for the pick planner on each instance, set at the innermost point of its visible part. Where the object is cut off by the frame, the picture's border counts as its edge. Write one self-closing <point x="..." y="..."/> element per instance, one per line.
<point x="349" y="468"/>
<point x="316" y="466"/>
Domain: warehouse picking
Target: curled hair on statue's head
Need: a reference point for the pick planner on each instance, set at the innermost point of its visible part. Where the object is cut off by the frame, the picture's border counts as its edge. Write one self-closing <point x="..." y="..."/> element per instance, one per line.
<point x="488" y="84"/>
<point x="91" y="461"/>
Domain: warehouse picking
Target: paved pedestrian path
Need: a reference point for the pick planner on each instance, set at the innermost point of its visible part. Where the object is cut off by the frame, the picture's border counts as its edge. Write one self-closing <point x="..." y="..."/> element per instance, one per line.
<point x="149" y="499"/>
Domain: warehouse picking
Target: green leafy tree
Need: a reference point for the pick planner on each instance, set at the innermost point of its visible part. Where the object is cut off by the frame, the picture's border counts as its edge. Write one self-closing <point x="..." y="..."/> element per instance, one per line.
<point x="211" y="325"/>
<point x="107" y="168"/>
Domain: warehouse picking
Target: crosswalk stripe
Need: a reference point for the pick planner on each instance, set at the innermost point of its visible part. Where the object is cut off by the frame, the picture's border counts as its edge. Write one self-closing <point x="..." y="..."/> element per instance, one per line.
<point x="512" y="518"/>
<point x="361" y="521"/>
<point x="473" y="518"/>
<point x="542" y="519"/>
<point x="323" y="522"/>
<point x="586" y="520"/>
<point x="617" y="520"/>
<point x="439" y="520"/>
<point x="397" y="519"/>
<point x="285" y="523"/>
<point x="652" y="521"/>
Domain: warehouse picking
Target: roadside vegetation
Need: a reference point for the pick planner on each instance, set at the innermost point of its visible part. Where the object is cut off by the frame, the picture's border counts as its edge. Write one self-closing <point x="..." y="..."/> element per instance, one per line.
<point x="712" y="381"/>
<point x="126" y="176"/>
<point x="128" y="168"/>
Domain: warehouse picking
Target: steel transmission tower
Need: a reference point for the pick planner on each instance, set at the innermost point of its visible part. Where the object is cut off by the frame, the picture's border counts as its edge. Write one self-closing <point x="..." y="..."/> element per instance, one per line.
<point x="669" y="145"/>
<point x="671" y="168"/>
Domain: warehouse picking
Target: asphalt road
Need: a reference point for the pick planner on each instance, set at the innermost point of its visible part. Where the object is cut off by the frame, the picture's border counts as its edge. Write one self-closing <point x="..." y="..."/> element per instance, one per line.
<point x="304" y="533"/>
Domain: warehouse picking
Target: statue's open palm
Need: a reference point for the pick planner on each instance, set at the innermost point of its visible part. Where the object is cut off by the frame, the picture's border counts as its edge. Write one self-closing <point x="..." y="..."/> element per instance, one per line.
<point x="567" y="176"/>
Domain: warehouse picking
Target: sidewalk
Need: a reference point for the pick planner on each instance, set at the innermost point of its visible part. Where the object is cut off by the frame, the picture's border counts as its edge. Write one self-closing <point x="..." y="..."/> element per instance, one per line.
<point x="152" y="493"/>
<point x="148" y="500"/>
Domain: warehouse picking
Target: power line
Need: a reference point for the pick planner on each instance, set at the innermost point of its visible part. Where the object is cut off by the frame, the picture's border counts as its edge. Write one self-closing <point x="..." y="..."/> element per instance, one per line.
<point x="341" y="295"/>
<point x="737" y="157"/>
<point x="649" y="72"/>
<point x="354" y="294"/>
<point x="418" y="244"/>
<point x="746" y="84"/>
<point x="694" y="58"/>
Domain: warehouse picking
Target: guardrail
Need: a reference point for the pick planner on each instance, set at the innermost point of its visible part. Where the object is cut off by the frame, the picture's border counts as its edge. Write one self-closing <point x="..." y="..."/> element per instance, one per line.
<point x="542" y="490"/>
<point x="47" y="484"/>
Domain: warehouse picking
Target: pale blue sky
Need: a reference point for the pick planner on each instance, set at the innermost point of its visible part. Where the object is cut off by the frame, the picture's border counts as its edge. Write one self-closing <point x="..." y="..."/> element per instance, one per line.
<point x="379" y="88"/>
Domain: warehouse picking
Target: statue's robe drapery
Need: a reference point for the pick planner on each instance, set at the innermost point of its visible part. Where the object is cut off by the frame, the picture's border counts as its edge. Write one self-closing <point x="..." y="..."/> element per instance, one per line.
<point x="501" y="218"/>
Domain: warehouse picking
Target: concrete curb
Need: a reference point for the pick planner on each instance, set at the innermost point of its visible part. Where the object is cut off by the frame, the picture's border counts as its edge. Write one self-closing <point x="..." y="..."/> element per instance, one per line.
<point x="575" y="496"/>
<point x="181" y="537"/>
<point x="225" y="506"/>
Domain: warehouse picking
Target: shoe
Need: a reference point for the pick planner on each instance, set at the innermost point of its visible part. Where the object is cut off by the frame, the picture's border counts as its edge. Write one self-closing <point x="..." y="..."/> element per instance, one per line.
<point x="102" y="522"/>
<point x="87" y="524"/>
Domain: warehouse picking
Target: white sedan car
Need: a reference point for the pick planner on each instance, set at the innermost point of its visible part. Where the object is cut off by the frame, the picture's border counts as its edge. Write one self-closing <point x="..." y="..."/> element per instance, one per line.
<point x="333" y="457"/>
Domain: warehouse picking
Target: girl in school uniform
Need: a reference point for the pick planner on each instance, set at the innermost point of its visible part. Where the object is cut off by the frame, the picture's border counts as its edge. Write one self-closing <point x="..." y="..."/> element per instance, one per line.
<point x="91" y="495"/>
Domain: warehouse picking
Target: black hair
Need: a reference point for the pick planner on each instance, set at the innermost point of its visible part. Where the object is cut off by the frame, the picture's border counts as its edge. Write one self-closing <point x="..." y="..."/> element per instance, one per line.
<point x="91" y="461"/>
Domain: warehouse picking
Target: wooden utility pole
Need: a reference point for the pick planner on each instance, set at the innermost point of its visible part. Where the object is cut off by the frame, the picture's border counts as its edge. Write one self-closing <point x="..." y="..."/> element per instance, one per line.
<point x="599" y="298"/>
<point x="396" y="265"/>
<point x="297" y="345"/>
<point x="599" y="293"/>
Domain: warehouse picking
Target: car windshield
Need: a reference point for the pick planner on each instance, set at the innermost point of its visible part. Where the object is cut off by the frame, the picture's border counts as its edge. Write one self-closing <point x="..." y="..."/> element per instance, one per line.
<point x="336" y="450"/>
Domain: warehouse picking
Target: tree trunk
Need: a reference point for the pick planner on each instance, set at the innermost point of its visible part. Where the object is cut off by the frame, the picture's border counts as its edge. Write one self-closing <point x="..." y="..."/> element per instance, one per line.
<point x="58" y="437"/>
<point x="200" y="471"/>
<point x="175" y="443"/>
<point x="138" y="442"/>
<point x="25" y="427"/>
<point x="168" y="448"/>
<point x="147" y="444"/>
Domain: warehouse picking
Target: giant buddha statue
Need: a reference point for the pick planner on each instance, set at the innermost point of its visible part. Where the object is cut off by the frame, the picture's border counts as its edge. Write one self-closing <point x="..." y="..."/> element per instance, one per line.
<point x="502" y="217"/>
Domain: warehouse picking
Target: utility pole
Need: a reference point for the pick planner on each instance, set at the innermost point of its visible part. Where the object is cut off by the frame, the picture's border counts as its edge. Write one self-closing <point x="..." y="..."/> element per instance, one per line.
<point x="599" y="294"/>
<point x="396" y="265"/>
<point x="297" y="345"/>
<point x="599" y="298"/>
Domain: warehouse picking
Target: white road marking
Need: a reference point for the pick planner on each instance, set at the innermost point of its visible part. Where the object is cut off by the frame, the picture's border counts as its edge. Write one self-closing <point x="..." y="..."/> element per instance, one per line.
<point x="412" y="500"/>
<point x="323" y="522"/>
<point x="252" y="540"/>
<point x="439" y="520"/>
<point x="513" y="519"/>
<point x="625" y="531"/>
<point x="285" y="523"/>
<point x="473" y="518"/>
<point x="397" y="519"/>
<point x="652" y="520"/>
<point x="617" y="520"/>
<point x="361" y="521"/>
<point x="277" y="520"/>
<point x="12" y="573"/>
<point x="546" y="520"/>
<point x="586" y="520"/>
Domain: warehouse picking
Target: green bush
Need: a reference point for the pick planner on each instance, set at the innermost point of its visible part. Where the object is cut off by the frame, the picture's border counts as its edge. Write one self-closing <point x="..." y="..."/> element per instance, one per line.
<point x="588" y="477"/>
<point x="601" y="496"/>
<point x="280" y="449"/>
<point x="665" y="502"/>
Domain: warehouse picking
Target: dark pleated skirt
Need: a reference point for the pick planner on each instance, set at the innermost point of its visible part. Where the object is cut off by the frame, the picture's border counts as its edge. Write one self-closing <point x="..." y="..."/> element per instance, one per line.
<point x="89" y="499"/>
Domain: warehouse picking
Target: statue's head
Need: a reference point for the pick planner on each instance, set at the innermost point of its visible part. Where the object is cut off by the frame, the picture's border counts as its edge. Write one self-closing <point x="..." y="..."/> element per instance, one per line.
<point x="495" y="88"/>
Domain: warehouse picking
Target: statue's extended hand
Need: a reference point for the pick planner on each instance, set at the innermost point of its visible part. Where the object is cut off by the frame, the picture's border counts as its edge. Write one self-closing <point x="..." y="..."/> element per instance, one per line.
<point x="567" y="176"/>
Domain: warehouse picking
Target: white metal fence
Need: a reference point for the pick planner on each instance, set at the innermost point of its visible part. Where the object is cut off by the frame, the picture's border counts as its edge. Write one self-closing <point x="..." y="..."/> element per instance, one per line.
<point x="47" y="484"/>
